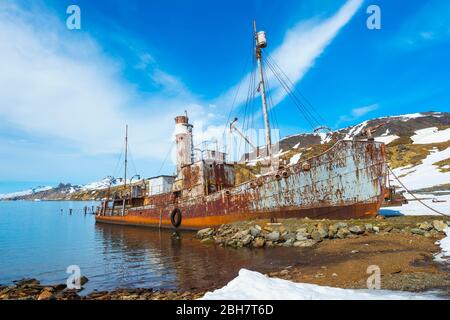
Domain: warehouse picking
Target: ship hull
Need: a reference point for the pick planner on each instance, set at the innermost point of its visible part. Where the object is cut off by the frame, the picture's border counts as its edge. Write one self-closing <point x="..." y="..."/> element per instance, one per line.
<point x="355" y="211"/>
<point x="347" y="181"/>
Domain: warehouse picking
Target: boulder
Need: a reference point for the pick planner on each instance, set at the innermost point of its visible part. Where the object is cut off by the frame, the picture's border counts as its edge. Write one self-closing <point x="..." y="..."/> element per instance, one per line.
<point x="342" y="233"/>
<point x="323" y="230"/>
<point x="226" y="232"/>
<point x="425" y="226"/>
<point x="247" y="239"/>
<point x="418" y="231"/>
<point x="273" y="236"/>
<point x="300" y="237"/>
<point x="357" y="229"/>
<point x="376" y="229"/>
<point x="240" y="234"/>
<point x="341" y="225"/>
<point x="83" y="280"/>
<point x="204" y="232"/>
<point x="289" y="242"/>
<point x="439" y="225"/>
<point x="259" y="242"/>
<point x="332" y="230"/>
<point x="270" y="244"/>
<point x="304" y="243"/>
<point x="318" y="235"/>
<point x="303" y="233"/>
<point x="288" y="236"/>
<point x="46" y="295"/>
<point x="369" y="227"/>
<point x="255" y="231"/>
<point x="284" y="272"/>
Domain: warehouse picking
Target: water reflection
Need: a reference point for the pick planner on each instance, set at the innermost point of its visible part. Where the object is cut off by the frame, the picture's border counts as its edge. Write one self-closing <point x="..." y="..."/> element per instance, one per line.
<point x="160" y="259"/>
<point x="41" y="239"/>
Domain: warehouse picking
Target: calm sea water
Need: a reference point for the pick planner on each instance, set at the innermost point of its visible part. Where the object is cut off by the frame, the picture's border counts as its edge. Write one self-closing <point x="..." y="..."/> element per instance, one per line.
<point x="39" y="241"/>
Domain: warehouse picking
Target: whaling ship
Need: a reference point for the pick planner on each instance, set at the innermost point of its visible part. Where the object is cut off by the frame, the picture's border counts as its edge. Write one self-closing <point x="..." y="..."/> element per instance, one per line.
<point x="346" y="181"/>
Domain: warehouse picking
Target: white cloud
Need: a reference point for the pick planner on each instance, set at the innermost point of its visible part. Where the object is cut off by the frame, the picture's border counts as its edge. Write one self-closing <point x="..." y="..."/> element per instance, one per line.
<point x="302" y="45"/>
<point x="58" y="84"/>
<point x="357" y="113"/>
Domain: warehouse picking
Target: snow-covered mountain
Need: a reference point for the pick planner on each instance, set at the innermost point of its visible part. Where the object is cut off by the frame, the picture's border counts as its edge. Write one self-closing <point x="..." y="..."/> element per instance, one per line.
<point x="63" y="190"/>
<point x="24" y="193"/>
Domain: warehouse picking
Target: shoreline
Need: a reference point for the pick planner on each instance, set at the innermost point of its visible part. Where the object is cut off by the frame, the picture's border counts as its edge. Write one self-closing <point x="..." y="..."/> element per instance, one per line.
<point x="404" y="248"/>
<point x="32" y="289"/>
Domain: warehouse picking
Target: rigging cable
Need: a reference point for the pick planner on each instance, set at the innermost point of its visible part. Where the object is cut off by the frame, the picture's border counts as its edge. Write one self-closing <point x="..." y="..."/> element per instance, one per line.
<point x="293" y="87"/>
<point x="119" y="161"/>
<point x="166" y="157"/>
<point x="420" y="201"/>
<point x="235" y="96"/>
<point x="132" y="160"/>
<point x="311" y="120"/>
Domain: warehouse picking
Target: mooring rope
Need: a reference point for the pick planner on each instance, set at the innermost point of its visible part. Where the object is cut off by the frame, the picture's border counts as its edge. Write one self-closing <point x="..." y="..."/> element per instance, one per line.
<point x="420" y="201"/>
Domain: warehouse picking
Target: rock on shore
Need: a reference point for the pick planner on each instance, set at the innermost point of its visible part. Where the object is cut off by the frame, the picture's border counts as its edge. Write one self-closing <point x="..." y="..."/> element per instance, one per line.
<point x="307" y="233"/>
<point x="32" y="289"/>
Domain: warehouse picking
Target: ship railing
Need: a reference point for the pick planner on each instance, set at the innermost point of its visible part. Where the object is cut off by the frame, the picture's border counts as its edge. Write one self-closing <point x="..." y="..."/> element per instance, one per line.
<point x="115" y="210"/>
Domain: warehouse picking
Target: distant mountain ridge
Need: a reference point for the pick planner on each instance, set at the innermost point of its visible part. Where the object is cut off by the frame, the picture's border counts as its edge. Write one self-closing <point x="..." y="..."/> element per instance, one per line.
<point x="65" y="191"/>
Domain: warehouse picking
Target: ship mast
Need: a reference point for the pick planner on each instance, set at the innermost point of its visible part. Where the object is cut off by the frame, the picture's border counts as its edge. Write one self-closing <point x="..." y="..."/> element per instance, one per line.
<point x="260" y="41"/>
<point x="126" y="156"/>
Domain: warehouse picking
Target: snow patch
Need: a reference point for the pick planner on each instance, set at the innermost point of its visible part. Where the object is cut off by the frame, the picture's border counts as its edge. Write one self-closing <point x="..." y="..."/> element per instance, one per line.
<point x="294" y="159"/>
<point x="355" y="130"/>
<point x="251" y="285"/>
<point x="386" y="139"/>
<point x="103" y="184"/>
<point x="426" y="174"/>
<point x="430" y="135"/>
<point x="444" y="255"/>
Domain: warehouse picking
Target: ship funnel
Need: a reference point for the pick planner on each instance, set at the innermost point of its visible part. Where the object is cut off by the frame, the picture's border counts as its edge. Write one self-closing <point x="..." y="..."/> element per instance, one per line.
<point x="184" y="141"/>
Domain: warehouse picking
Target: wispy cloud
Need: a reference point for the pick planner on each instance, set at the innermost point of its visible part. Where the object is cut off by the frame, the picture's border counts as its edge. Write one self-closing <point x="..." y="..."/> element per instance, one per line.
<point x="428" y="26"/>
<point x="301" y="47"/>
<point x="357" y="113"/>
<point x="59" y="85"/>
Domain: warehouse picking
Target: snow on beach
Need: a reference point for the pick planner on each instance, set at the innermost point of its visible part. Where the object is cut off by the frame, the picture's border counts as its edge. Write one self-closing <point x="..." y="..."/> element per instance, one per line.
<point x="251" y="285"/>
<point x="415" y="208"/>
<point x="444" y="255"/>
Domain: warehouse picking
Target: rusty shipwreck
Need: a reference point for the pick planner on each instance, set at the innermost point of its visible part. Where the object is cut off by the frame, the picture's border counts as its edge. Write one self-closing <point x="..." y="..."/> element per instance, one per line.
<point x="346" y="181"/>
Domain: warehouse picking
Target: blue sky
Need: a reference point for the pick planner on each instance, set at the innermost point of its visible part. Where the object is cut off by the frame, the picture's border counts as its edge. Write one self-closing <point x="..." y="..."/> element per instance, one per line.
<point x="66" y="95"/>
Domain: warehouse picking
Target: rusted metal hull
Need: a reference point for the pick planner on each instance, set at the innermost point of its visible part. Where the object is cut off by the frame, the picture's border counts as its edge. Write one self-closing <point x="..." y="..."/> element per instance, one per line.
<point x="347" y="181"/>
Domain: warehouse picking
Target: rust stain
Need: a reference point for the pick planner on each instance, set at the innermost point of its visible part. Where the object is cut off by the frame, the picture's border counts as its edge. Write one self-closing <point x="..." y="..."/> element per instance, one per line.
<point x="346" y="181"/>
